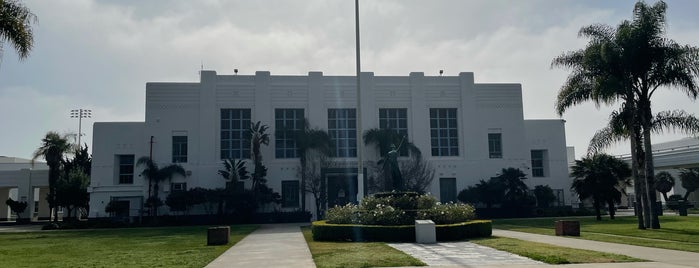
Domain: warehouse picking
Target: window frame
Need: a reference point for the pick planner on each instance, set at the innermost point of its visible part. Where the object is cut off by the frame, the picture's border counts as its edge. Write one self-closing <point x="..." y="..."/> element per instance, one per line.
<point x="234" y="130"/>
<point x="125" y="178"/>
<point x="284" y="135"/>
<point x="342" y="129"/>
<point x="444" y="138"/>
<point x="493" y="152"/>
<point x="396" y="116"/>
<point x="536" y="168"/>
<point x="180" y="149"/>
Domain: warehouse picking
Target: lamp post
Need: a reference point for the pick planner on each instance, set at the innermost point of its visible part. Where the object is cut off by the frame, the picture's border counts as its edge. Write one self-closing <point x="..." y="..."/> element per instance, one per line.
<point x="360" y="142"/>
<point x="80" y="114"/>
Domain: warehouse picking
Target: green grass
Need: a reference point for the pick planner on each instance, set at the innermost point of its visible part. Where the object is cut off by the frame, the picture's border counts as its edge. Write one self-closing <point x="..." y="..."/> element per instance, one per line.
<point x="549" y="253"/>
<point x="356" y="254"/>
<point x="128" y="247"/>
<point x="679" y="233"/>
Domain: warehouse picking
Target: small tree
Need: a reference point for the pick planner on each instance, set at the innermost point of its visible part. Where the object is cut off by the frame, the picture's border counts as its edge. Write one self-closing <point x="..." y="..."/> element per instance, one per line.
<point x="179" y="201"/>
<point x="490" y="192"/>
<point x="71" y="191"/>
<point x="664" y="183"/>
<point x="690" y="180"/>
<point x="544" y="195"/>
<point x="313" y="183"/>
<point x="417" y="174"/>
<point x="17" y="207"/>
<point x="512" y="179"/>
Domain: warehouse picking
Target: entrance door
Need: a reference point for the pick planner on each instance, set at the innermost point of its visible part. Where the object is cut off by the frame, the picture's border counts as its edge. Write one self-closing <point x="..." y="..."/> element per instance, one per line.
<point x="342" y="189"/>
<point x="447" y="190"/>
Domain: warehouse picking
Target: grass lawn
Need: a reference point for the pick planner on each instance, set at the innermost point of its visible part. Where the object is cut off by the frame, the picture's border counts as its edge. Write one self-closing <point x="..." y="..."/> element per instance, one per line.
<point x="679" y="233"/>
<point x="356" y="254"/>
<point x="549" y="253"/>
<point x="128" y="247"/>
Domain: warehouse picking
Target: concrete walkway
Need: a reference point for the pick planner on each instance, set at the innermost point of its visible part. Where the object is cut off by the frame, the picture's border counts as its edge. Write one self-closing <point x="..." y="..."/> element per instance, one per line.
<point x="272" y="245"/>
<point x="665" y="256"/>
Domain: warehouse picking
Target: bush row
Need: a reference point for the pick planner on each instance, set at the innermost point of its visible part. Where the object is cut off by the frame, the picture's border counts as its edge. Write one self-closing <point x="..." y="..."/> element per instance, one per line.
<point x="324" y="231"/>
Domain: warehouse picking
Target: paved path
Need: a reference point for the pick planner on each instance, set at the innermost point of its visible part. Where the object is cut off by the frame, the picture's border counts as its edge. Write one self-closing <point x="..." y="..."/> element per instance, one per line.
<point x="461" y="254"/>
<point x="272" y="245"/>
<point x="665" y="256"/>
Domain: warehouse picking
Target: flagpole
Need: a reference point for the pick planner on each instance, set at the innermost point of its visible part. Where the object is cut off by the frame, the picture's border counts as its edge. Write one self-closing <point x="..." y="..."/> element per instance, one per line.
<point x="360" y="142"/>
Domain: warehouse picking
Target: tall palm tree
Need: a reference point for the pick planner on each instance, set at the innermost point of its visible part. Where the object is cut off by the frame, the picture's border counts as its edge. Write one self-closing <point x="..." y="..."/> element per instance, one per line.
<point x="664" y="181"/>
<point x="601" y="178"/>
<point x="629" y="64"/>
<point x="385" y="140"/>
<point x="16" y="27"/>
<point x="53" y="148"/>
<point x="307" y="140"/>
<point x="155" y="175"/>
<point x="512" y="179"/>
<point x="258" y="137"/>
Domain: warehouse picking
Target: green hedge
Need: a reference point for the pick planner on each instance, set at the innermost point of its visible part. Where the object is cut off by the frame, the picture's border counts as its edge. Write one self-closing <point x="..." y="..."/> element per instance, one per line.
<point x="323" y="231"/>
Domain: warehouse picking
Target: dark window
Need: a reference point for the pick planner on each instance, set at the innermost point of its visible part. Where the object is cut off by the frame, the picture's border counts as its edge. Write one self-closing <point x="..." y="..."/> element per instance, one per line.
<point x="495" y="145"/>
<point x="179" y="149"/>
<point x="126" y="163"/>
<point x="290" y="194"/>
<point x="286" y="123"/>
<point x="444" y="132"/>
<point x="538" y="163"/>
<point x="178" y="186"/>
<point x="396" y="119"/>
<point x="342" y="127"/>
<point x="235" y="124"/>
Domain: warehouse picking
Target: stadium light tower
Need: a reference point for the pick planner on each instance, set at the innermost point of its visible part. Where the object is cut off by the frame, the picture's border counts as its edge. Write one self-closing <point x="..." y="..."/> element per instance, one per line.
<point x="80" y="114"/>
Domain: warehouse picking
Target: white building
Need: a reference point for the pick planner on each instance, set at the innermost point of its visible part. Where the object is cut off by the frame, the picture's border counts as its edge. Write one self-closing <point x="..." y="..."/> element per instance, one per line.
<point x="468" y="131"/>
<point x="24" y="182"/>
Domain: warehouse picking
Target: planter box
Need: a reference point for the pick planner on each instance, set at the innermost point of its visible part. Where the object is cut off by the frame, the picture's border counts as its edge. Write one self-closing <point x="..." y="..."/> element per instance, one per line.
<point x="218" y="235"/>
<point x="425" y="232"/>
<point x="571" y="228"/>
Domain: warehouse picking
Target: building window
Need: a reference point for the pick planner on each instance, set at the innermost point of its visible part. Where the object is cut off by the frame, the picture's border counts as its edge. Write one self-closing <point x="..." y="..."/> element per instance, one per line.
<point x="235" y="143"/>
<point x="178" y="186"/>
<point x="539" y="163"/>
<point x="396" y="119"/>
<point x="342" y="127"/>
<point x="495" y="145"/>
<point x="290" y="194"/>
<point x="444" y="132"/>
<point x="126" y="163"/>
<point x="179" y="149"/>
<point x="286" y="122"/>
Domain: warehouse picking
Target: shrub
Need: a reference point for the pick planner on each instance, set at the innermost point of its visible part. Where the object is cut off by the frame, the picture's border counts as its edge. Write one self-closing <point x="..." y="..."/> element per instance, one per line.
<point x="342" y="214"/>
<point x="324" y="231"/>
<point x="384" y="215"/>
<point x="448" y="213"/>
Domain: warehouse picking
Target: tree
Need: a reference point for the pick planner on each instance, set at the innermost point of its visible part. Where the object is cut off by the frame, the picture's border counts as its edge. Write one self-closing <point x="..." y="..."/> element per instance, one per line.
<point x="309" y="140"/>
<point x="601" y="178"/>
<point x="629" y="63"/>
<point x="544" y="195"/>
<point x="313" y="182"/>
<point x="664" y="181"/>
<point x="386" y="140"/>
<point x="258" y="137"/>
<point x="155" y="175"/>
<point x="234" y="171"/>
<point x="53" y="148"/>
<point x="489" y="192"/>
<point x="512" y="180"/>
<point x="16" y="27"/>
<point x="690" y="180"/>
<point x="17" y="207"/>
<point x="417" y="174"/>
<point x="71" y="191"/>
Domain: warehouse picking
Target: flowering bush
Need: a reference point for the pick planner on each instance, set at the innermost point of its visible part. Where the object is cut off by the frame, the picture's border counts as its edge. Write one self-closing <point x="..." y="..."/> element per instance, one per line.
<point x="396" y="209"/>
<point x="448" y="213"/>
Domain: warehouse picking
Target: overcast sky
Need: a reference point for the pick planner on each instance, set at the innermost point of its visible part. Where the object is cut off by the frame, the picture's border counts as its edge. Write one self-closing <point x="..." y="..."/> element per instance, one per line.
<point x="99" y="54"/>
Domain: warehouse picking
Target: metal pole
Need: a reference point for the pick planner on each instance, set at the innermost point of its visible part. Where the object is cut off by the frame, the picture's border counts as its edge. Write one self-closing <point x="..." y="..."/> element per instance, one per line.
<point x="80" y="126"/>
<point x="360" y="142"/>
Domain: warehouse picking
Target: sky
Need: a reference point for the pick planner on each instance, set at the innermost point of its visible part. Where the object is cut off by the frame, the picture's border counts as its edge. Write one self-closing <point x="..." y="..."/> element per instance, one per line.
<point x="99" y="54"/>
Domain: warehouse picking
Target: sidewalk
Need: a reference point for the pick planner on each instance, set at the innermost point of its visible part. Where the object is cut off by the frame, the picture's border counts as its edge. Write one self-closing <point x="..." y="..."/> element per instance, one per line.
<point x="272" y="245"/>
<point x="666" y="256"/>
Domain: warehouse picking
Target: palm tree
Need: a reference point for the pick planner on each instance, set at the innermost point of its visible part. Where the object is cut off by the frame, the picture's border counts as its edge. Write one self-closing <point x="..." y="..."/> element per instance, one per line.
<point x="155" y="175"/>
<point x="385" y="140"/>
<point x="630" y="63"/>
<point x="15" y="26"/>
<point x="307" y="140"/>
<point x="234" y="171"/>
<point x="258" y="137"/>
<point x="53" y="148"/>
<point x="690" y="180"/>
<point x="512" y="179"/>
<point x="601" y="178"/>
<point x="664" y="181"/>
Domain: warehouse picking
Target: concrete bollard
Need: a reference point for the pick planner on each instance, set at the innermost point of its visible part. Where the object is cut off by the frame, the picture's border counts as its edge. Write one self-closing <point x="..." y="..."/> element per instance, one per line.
<point x="218" y="235"/>
<point x="425" y="232"/>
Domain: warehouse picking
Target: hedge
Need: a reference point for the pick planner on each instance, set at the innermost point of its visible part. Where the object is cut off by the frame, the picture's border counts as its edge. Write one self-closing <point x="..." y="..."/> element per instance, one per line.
<point x="323" y="231"/>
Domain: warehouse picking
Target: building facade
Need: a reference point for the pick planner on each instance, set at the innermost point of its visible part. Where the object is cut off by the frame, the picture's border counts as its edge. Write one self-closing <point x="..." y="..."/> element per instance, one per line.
<point x="25" y="182"/>
<point x="468" y="131"/>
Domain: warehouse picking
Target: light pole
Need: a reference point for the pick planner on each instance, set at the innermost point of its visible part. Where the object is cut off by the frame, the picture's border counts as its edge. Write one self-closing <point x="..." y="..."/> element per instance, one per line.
<point x="360" y="142"/>
<point x="80" y="114"/>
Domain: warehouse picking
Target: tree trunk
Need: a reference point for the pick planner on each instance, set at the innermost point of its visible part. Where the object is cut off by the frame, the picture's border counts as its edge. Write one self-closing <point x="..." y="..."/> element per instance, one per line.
<point x="649" y="169"/>
<point x="597" y="209"/>
<point x="303" y="182"/>
<point x="637" y="181"/>
<point x="610" y="204"/>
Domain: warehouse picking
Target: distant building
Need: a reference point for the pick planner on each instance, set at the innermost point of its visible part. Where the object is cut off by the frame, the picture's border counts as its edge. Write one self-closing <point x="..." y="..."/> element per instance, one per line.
<point x="468" y="131"/>
<point x="23" y="182"/>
